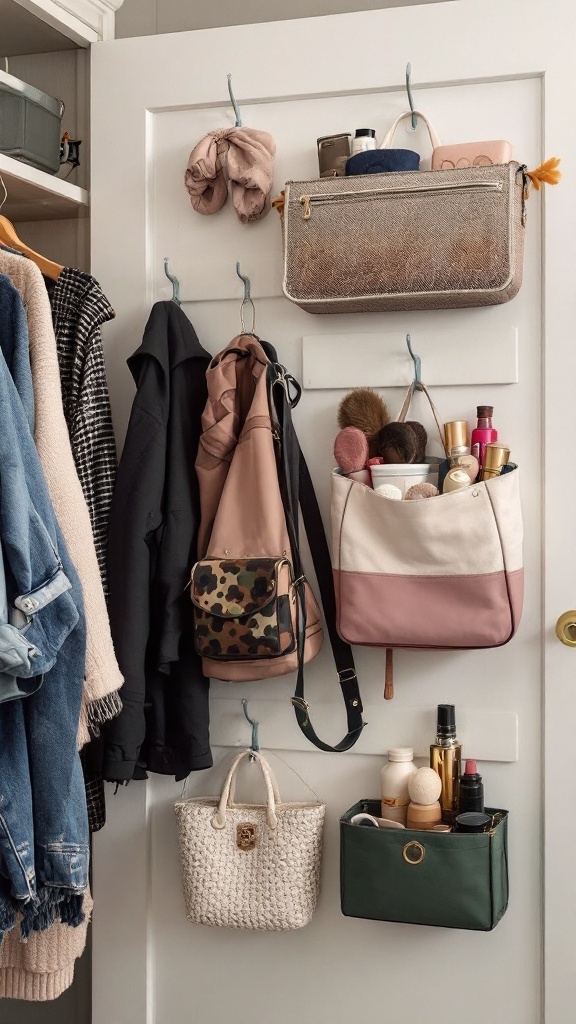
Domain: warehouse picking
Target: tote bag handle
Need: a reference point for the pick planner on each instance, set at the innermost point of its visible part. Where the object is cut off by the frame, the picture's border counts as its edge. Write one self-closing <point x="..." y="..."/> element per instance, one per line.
<point x="435" y="141"/>
<point x="275" y="789"/>
<point x="219" y="818"/>
<point x="417" y="385"/>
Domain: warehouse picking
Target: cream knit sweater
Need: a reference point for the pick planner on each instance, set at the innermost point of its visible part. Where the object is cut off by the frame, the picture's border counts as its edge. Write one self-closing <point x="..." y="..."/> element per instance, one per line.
<point x="102" y="675"/>
<point x="38" y="970"/>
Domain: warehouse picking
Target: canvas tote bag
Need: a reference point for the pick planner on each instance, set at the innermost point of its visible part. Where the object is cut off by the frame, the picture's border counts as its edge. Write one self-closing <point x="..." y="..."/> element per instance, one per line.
<point x="444" y="572"/>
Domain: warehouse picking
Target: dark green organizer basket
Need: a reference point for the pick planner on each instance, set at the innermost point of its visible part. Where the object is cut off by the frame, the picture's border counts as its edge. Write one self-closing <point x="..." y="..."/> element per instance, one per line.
<point x="451" y="880"/>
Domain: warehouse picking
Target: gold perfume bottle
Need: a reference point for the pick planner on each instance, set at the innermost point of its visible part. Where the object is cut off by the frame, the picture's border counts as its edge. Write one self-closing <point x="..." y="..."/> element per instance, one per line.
<point x="497" y="456"/>
<point x="446" y="760"/>
<point x="458" y="449"/>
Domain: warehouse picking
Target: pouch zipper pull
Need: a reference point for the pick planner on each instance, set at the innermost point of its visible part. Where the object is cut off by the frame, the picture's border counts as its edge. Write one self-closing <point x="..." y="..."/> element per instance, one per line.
<point x="305" y="200"/>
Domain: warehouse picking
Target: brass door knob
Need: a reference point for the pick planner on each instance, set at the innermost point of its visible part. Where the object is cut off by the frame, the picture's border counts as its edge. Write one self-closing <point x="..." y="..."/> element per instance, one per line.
<point x="566" y="628"/>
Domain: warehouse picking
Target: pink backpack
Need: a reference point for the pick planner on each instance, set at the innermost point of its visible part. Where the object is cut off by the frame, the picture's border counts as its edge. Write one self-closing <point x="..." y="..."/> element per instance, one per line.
<point x="255" y="614"/>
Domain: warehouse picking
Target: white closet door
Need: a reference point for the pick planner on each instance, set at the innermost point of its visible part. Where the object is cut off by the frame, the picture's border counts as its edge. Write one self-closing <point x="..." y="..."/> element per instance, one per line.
<point x="481" y="69"/>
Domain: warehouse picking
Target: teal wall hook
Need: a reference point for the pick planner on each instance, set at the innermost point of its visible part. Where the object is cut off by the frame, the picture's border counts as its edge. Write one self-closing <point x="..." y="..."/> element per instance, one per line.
<point x="174" y="281"/>
<point x="247" y="300"/>
<point x="410" y="99"/>
<point x="234" y="104"/>
<point x="416" y="360"/>
<point x="255" y="745"/>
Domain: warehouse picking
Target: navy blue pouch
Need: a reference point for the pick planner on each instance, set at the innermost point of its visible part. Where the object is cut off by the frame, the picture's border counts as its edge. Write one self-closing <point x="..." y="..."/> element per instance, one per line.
<point x="378" y="161"/>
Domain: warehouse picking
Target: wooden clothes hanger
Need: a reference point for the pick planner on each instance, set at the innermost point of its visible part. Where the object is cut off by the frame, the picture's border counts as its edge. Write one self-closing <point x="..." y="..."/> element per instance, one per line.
<point x="8" y="236"/>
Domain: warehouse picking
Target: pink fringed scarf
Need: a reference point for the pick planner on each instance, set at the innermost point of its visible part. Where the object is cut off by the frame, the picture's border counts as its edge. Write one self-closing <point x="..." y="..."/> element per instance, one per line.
<point x="245" y="156"/>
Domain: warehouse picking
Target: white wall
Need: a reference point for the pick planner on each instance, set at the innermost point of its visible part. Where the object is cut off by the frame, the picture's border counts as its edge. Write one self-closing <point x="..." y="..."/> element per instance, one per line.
<point x="147" y="17"/>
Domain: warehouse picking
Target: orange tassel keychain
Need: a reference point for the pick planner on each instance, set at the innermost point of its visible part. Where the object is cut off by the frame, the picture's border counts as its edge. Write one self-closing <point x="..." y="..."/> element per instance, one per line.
<point x="546" y="174"/>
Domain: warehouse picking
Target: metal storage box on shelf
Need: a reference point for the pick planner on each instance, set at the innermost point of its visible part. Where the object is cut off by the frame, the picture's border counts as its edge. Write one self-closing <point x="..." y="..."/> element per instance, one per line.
<point x="30" y="124"/>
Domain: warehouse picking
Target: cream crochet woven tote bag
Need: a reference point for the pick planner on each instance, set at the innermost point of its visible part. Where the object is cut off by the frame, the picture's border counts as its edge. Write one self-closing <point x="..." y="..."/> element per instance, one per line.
<point x="250" y="865"/>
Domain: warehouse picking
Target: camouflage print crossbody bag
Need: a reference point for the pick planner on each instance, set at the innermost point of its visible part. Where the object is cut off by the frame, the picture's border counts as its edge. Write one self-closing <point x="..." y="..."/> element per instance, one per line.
<point x="242" y="608"/>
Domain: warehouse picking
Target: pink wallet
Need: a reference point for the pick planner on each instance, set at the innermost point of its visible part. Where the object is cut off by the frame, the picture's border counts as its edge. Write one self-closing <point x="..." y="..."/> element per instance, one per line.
<point x="470" y="154"/>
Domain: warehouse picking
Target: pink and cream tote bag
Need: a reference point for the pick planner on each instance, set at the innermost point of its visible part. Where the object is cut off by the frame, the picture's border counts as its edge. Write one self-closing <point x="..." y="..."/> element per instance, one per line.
<point x="444" y="572"/>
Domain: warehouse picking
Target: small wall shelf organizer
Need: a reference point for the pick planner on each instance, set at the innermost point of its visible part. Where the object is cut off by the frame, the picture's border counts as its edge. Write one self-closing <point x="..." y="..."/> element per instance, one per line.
<point x="35" y="195"/>
<point x="48" y="26"/>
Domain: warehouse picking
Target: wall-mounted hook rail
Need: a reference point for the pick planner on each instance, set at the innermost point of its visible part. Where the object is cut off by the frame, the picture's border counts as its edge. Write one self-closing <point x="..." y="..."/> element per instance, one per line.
<point x="383" y="359"/>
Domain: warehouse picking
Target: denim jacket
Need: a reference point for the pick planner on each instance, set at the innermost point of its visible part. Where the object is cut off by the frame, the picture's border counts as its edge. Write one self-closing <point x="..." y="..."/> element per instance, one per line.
<point x="43" y="820"/>
<point x="36" y="611"/>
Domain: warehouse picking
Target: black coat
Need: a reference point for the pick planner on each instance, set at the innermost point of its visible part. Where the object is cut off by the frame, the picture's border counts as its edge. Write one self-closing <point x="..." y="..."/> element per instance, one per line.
<point x="164" y="726"/>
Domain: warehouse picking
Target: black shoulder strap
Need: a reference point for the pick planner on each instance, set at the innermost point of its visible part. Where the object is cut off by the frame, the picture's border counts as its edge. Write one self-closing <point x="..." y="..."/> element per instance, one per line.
<point x="298" y="490"/>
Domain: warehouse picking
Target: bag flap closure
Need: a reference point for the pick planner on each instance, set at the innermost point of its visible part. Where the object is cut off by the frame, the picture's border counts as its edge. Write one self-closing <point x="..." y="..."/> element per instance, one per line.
<point x="233" y="588"/>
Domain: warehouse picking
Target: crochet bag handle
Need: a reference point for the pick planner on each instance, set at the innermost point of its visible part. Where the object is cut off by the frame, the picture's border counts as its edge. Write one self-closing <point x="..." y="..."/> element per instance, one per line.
<point x="219" y="818"/>
<point x="275" y="789"/>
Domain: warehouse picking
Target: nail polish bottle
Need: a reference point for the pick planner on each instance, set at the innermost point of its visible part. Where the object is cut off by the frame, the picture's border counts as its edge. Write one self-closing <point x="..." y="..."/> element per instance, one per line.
<point x="483" y="432"/>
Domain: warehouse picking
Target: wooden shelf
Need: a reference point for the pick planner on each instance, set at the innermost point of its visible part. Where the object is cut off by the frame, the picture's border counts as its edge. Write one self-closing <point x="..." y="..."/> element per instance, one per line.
<point x="42" y="26"/>
<point x="35" y="195"/>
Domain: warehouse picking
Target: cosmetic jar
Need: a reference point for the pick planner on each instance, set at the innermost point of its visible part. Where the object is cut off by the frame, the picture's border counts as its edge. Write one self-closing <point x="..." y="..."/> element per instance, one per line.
<point x="473" y="821"/>
<point x="364" y="138"/>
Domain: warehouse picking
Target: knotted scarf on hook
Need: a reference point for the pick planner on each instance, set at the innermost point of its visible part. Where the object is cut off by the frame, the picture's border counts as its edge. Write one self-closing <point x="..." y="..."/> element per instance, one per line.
<point x="245" y="156"/>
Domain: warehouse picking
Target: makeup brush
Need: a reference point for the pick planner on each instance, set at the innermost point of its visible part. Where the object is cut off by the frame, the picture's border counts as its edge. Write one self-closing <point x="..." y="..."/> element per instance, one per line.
<point x="421" y="437"/>
<point x="397" y="443"/>
<point x="351" y="449"/>
<point x="363" y="408"/>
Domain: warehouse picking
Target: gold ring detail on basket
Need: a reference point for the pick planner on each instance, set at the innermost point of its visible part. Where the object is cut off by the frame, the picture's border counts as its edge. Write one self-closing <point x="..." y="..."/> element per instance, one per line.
<point x="413" y="852"/>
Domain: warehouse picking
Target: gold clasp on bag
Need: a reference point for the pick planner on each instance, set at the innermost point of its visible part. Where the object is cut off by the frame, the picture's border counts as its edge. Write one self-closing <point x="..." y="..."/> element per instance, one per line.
<point x="246" y="836"/>
<point x="294" y="586"/>
<point x="299" y="702"/>
<point x="413" y="852"/>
